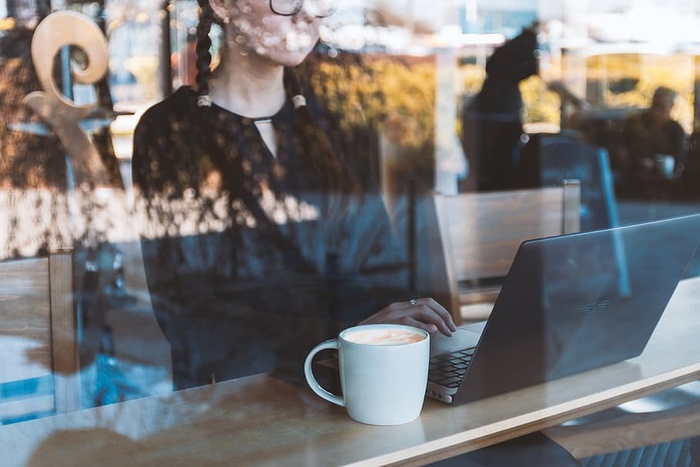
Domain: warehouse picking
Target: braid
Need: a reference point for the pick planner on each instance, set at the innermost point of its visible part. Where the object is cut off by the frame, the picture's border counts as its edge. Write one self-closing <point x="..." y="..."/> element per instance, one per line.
<point x="317" y="147"/>
<point x="294" y="88"/>
<point x="206" y="19"/>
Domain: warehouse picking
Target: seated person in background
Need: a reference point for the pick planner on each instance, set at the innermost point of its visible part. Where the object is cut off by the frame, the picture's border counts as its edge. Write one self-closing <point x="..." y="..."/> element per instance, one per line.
<point x="258" y="240"/>
<point x="651" y="135"/>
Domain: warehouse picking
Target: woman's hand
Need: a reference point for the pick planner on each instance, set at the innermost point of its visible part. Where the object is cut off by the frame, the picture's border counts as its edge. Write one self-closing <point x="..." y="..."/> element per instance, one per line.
<point x="423" y="313"/>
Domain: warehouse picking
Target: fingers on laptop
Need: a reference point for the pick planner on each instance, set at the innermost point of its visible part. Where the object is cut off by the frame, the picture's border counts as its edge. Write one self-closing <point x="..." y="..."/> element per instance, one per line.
<point x="423" y="313"/>
<point x="428" y="311"/>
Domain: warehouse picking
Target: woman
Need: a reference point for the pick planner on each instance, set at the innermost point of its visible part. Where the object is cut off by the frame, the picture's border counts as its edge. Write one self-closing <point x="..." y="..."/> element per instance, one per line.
<point x="258" y="241"/>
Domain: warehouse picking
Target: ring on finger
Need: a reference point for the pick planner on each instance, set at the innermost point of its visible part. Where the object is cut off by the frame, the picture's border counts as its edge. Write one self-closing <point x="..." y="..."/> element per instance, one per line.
<point x="413" y="302"/>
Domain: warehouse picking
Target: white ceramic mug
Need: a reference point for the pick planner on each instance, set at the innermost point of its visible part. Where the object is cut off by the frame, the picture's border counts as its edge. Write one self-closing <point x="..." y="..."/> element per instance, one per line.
<point x="383" y="372"/>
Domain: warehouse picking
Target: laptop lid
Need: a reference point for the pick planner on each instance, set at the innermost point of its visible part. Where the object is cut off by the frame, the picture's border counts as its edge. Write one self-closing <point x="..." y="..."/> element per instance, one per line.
<point x="576" y="302"/>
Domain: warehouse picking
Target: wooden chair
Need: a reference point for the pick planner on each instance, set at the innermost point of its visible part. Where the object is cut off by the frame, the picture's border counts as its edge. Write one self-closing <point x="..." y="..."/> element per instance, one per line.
<point x="479" y="235"/>
<point x="39" y="373"/>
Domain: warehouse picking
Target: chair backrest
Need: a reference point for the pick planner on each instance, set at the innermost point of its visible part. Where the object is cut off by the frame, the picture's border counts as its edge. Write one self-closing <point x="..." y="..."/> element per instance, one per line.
<point x="479" y="233"/>
<point x="38" y="337"/>
<point x="591" y="166"/>
<point x="547" y="159"/>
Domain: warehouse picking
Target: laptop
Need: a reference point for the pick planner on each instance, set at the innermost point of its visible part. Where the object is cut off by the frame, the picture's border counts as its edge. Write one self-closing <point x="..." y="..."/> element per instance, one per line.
<point x="569" y="304"/>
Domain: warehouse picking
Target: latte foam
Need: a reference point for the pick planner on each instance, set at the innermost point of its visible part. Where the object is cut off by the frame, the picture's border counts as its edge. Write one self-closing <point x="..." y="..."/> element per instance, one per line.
<point x="384" y="337"/>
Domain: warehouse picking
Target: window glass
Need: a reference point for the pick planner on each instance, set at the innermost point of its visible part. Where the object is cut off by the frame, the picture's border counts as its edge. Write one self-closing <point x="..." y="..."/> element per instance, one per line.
<point x="219" y="226"/>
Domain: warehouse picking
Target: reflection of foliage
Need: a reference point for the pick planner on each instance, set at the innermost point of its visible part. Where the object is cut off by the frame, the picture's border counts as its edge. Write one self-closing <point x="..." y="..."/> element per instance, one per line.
<point x="29" y="158"/>
<point x="409" y="123"/>
<point x="410" y="102"/>
<point x="393" y="94"/>
<point x="25" y="159"/>
<point x="540" y="104"/>
<point x="630" y="80"/>
<point x="472" y="78"/>
<point x="349" y="90"/>
<point x="384" y="89"/>
<point x="647" y="72"/>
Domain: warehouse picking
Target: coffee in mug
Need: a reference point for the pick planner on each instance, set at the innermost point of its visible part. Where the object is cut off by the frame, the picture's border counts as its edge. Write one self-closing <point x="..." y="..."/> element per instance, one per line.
<point x="389" y="336"/>
<point x="383" y="372"/>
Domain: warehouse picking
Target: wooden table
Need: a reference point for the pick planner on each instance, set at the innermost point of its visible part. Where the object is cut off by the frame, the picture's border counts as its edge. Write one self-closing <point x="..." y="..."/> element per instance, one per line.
<point x="263" y="421"/>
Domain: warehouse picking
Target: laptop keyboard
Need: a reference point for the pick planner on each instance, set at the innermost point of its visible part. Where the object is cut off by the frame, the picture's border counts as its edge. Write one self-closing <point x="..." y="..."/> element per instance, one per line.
<point x="449" y="369"/>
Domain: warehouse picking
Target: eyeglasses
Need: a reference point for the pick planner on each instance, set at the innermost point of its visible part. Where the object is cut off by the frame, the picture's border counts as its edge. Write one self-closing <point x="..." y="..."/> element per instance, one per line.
<point x="319" y="8"/>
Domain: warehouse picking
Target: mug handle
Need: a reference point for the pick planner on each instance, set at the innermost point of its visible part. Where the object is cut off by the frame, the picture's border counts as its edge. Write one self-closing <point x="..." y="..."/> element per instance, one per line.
<point x="311" y="379"/>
